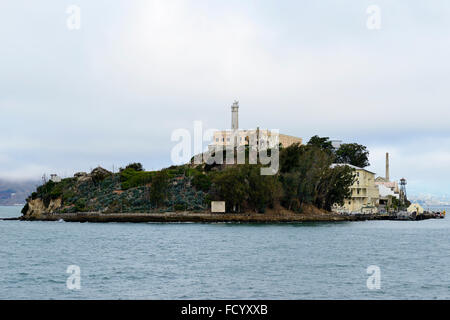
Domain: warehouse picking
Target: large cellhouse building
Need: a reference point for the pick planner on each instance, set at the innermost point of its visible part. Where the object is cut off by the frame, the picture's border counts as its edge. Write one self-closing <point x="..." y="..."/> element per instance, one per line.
<point x="242" y="137"/>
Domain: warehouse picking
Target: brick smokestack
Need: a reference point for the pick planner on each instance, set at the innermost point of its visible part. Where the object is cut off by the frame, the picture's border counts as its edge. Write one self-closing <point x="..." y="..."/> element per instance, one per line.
<point x="387" y="166"/>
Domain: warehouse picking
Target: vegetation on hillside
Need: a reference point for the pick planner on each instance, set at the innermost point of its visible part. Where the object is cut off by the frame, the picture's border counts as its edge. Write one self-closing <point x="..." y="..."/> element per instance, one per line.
<point x="350" y="153"/>
<point x="305" y="177"/>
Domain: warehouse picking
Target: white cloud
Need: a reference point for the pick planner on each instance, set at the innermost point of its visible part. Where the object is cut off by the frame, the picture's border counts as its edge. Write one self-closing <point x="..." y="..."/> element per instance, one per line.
<point x="32" y="171"/>
<point x="114" y="91"/>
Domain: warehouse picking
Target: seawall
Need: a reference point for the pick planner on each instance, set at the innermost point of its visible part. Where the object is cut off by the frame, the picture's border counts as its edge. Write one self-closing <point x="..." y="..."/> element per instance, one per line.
<point x="207" y="217"/>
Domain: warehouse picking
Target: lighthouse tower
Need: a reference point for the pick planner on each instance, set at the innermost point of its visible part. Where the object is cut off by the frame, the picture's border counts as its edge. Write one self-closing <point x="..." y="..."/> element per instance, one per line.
<point x="235" y="116"/>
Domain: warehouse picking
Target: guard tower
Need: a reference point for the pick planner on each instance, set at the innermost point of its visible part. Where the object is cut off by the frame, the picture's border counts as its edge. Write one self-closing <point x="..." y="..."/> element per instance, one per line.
<point x="403" y="191"/>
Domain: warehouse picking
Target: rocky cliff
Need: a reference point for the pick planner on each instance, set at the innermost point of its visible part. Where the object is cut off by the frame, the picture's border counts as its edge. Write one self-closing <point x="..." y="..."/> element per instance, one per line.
<point x="36" y="208"/>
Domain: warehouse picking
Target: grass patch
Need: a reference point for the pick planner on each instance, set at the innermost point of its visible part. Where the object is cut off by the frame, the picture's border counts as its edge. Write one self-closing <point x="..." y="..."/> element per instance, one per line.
<point x="131" y="178"/>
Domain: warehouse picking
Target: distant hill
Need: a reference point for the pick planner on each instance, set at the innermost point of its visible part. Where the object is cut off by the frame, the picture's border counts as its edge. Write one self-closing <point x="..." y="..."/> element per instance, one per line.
<point x="15" y="192"/>
<point x="431" y="200"/>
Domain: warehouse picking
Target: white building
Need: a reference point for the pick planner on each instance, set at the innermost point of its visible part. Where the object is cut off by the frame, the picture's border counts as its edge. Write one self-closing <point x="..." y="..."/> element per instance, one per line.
<point x="55" y="178"/>
<point x="386" y="191"/>
<point x="336" y="144"/>
<point x="242" y="137"/>
<point x="364" y="196"/>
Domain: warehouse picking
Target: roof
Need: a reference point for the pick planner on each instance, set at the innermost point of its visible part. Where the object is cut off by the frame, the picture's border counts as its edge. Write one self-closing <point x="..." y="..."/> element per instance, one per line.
<point x="388" y="184"/>
<point x="349" y="165"/>
<point x="386" y="191"/>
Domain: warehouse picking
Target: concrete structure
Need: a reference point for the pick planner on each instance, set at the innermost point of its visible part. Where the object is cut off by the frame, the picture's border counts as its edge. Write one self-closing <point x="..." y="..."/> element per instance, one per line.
<point x="336" y="143"/>
<point x="218" y="206"/>
<point x="387" y="195"/>
<point x="415" y="207"/>
<point x="364" y="193"/>
<point x="55" y="178"/>
<point x="388" y="189"/>
<point x="287" y="140"/>
<point x="386" y="175"/>
<point x="385" y="191"/>
<point x="240" y="137"/>
<point x="235" y="116"/>
<point x="266" y="138"/>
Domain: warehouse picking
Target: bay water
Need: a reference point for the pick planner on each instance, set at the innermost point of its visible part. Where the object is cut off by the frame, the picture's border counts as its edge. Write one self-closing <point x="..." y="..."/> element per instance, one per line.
<point x="224" y="260"/>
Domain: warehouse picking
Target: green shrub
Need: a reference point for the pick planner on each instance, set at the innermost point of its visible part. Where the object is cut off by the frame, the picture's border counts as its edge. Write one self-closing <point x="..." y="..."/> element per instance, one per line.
<point x="131" y="178"/>
<point x="191" y="172"/>
<point x="179" y="207"/>
<point x="177" y="170"/>
<point x="80" y="205"/>
<point x="99" y="174"/>
<point x="68" y="195"/>
<point x="136" y="166"/>
<point x="207" y="200"/>
<point x="201" y="182"/>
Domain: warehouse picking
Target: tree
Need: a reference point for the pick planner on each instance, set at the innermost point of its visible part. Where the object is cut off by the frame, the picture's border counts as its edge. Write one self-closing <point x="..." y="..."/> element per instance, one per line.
<point x="354" y="154"/>
<point x="158" y="189"/>
<point x="263" y="190"/>
<point x="290" y="182"/>
<point x="335" y="186"/>
<point x="202" y="182"/>
<point x="243" y="187"/>
<point x="323" y="143"/>
<point x="137" y="166"/>
<point x="307" y="178"/>
<point x="289" y="157"/>
<point x="231" y="187"/>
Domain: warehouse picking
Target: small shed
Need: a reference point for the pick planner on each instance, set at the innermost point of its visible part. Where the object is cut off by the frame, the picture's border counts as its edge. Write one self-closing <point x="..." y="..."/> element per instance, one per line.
<point x="218" y="206"/>
<point x="415" y="207"/>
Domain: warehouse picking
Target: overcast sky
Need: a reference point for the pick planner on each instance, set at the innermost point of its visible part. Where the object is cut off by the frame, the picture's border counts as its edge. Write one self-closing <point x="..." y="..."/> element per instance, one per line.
<point x="113" y="91"/>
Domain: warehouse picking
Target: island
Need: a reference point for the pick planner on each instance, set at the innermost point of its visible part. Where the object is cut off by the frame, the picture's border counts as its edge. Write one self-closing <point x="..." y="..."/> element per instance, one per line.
<point x="305" y="188"/>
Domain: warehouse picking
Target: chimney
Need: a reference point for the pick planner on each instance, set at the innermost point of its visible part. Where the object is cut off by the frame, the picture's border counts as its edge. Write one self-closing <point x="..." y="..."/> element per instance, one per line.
<point x="387" y="166"/>
<point x="235" y="116"/>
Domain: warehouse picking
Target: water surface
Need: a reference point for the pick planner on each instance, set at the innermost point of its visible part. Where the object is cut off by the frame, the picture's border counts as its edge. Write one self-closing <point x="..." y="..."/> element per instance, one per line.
<point x="224" y="261"/>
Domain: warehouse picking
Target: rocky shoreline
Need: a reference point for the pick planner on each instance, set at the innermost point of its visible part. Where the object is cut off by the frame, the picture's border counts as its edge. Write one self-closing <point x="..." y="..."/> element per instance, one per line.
<point x="203" y="217"/>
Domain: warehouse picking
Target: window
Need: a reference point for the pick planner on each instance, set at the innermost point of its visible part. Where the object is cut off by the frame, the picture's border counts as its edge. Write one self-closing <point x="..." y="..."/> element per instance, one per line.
<point x="228" y="139"/>
<point x="217" y="139"/>
<point x="223" y="139"/>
